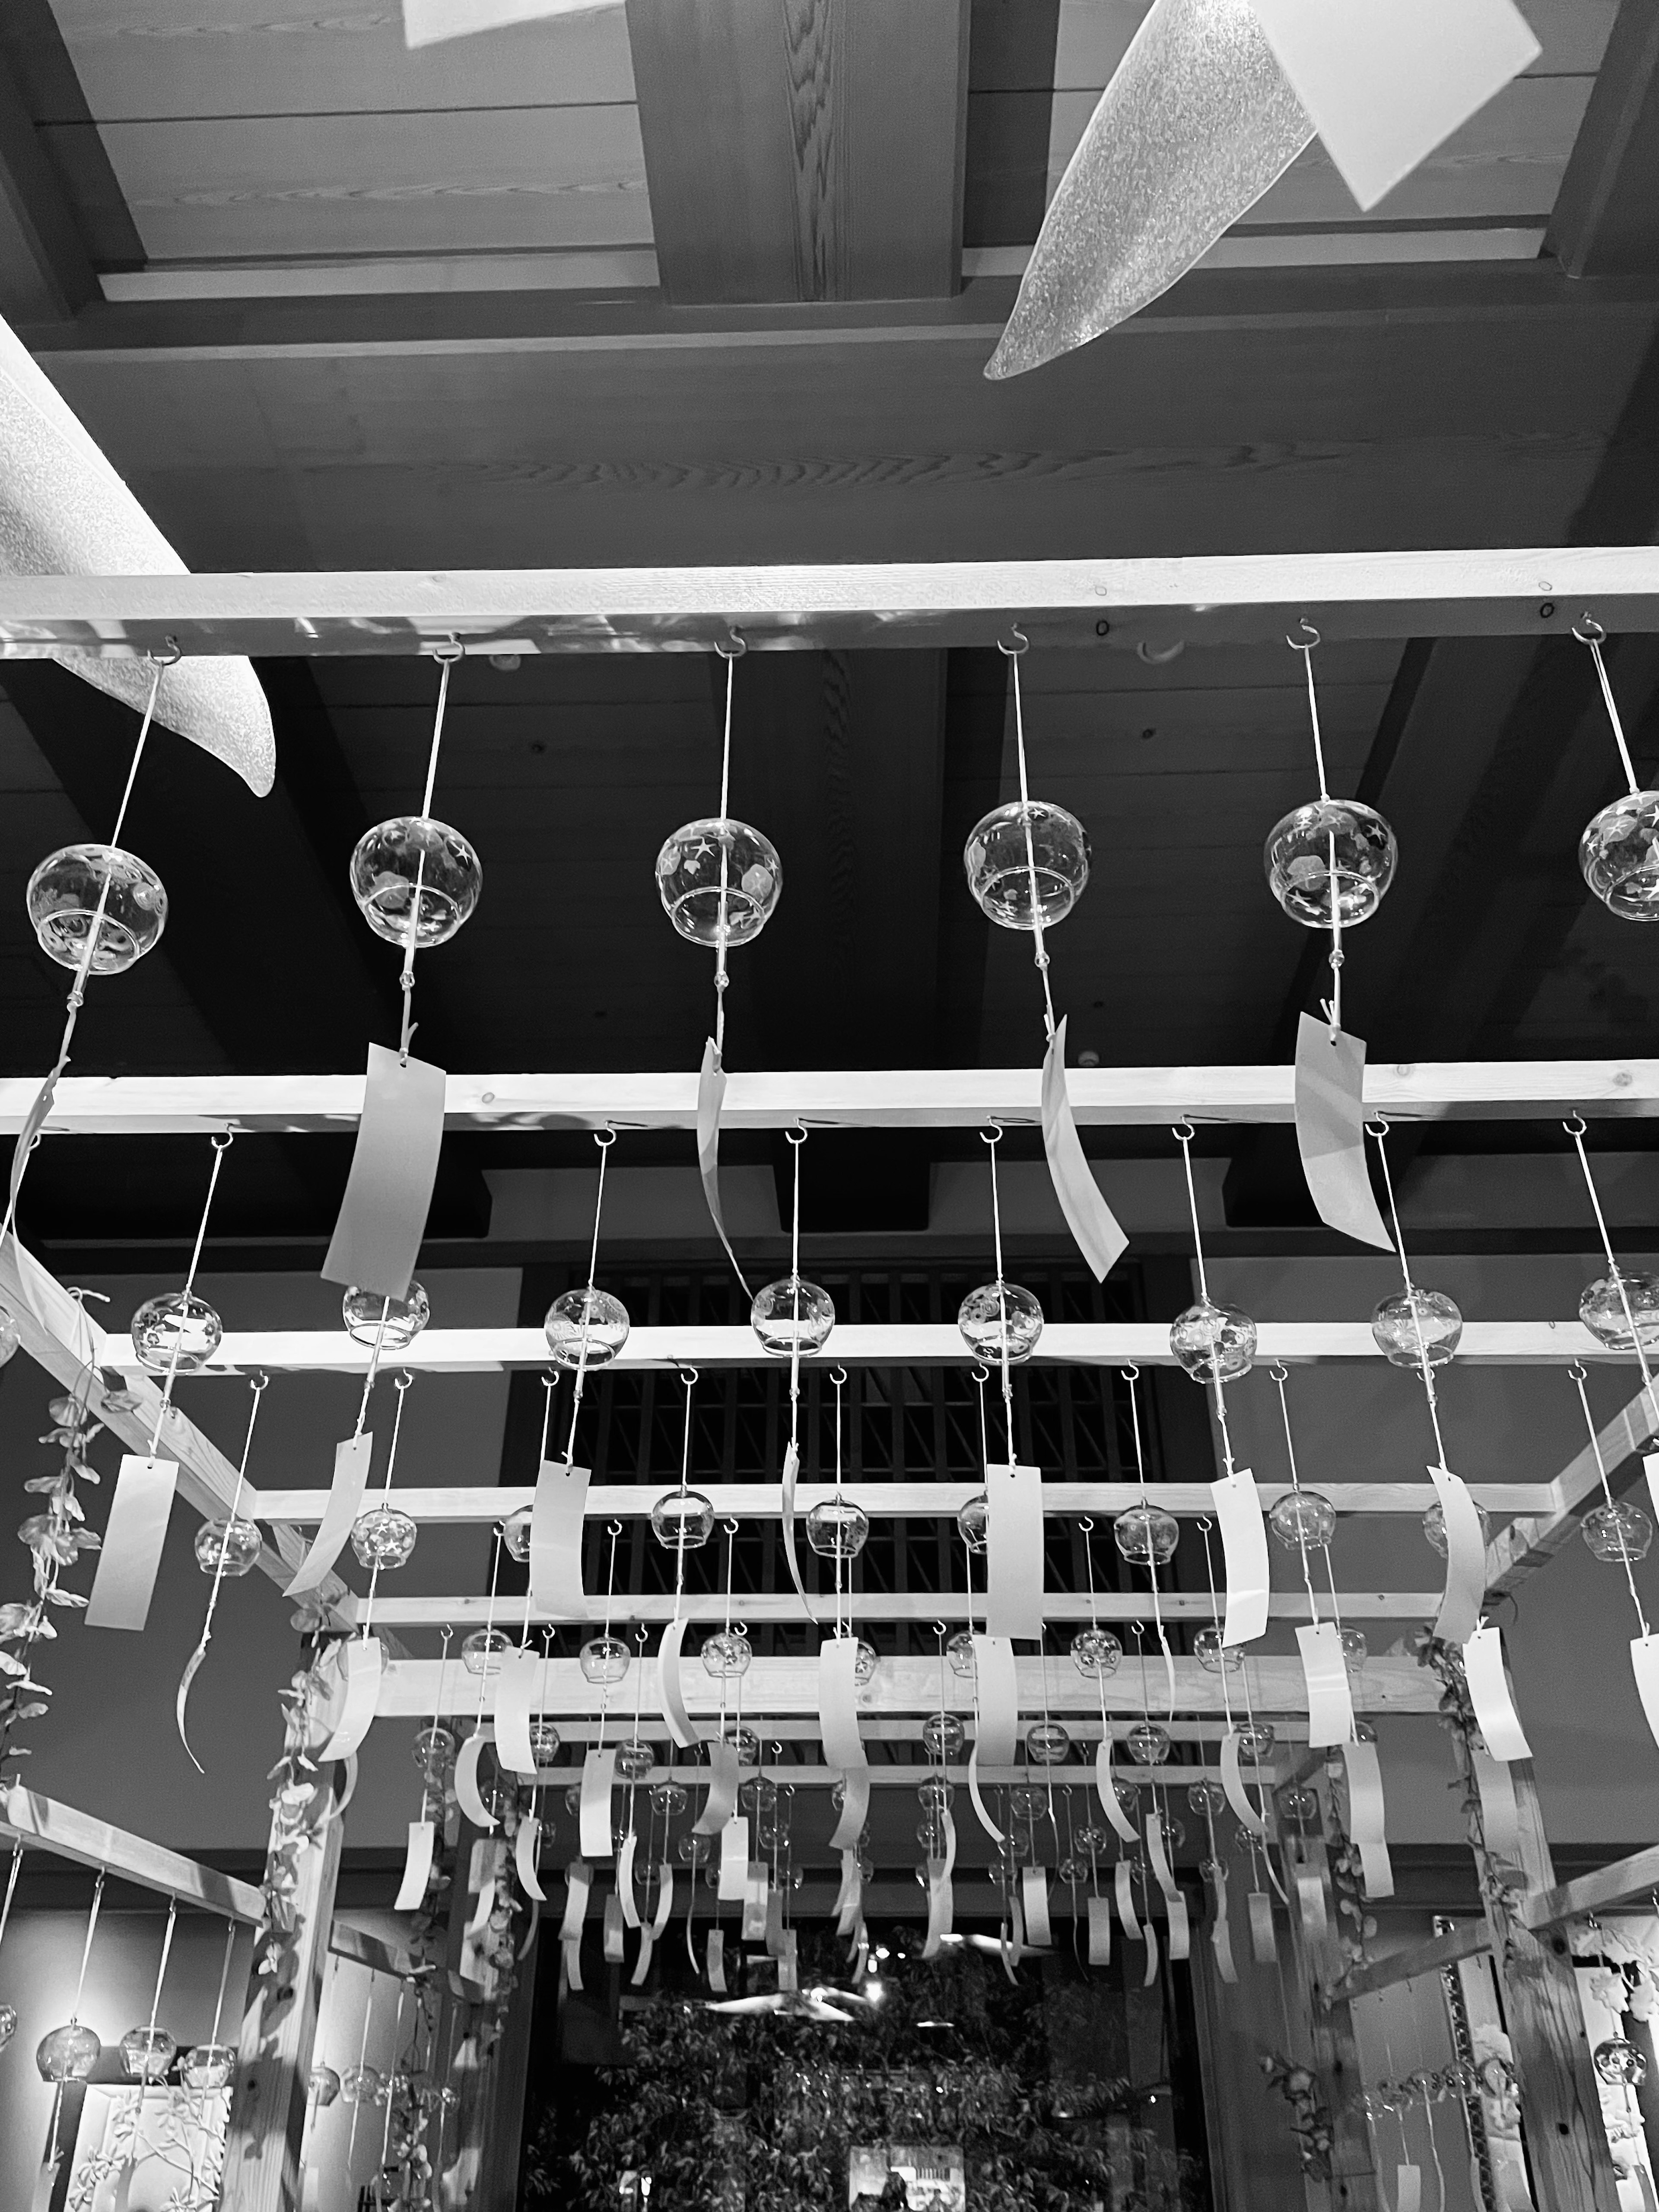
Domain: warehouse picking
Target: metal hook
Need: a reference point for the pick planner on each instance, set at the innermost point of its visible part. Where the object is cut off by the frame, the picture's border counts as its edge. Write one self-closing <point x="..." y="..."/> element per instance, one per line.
<point x="1377" y="1126"/>
<point x="941" y="1629"/>
<point x="605" y="1138"/>
<point x="445" y="655"/>
<point x="402" y="1382"/>
<point x="1588" y="631"/>
<point x="733" y="646"/>
<point x="982" y="1374"/>
<point x="1131" y="1373"/>
<point x="1023" y="643"/>
<point x="258" y="1381"/>
<point x="796" y="1135"/>
<point x="730" y="1527"/>
<point x="1183" y="1131"/>
<point x="1577" y="1372"/>
<point x="1279" y="1372"/>
<point x="224" y="1142"/>
<point x="1576" y="1125"/>
<point x="838" y="1376"/>
<point x="170" y="658"/>
<point x="991" y="1134"/>
<point x="687" y="1375"/>
<point x="613" y="1528"/>
<point x="1087" y="1525"/>
<point x="1204" y="1524"/>
<point x="1300" y="645"/>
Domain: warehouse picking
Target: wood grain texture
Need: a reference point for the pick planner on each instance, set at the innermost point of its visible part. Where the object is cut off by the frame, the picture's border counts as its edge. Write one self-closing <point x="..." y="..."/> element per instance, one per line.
<point x="1314" y="1988"/>
<point x="69" y="1834"/>
<point x="1604" y="220"/>
<point x="1417" y="1959"/>
<point x="1604" y="1890"/>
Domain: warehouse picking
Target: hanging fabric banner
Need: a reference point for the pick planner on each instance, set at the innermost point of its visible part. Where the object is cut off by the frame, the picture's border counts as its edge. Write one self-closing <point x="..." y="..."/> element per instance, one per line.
<point x="721" y="1801"/>
<point x="734" y="1860"/>
<point x="515" y="1692"/>
<point x="1500" y="1815"/>
<point x="630" y="1911"/>
<point x="599" y="1780"/>
<point x="556" y="1541"/>
<point x="526" y="1846"/>
<point x="711" y="1095"/>
<point x="466" y="1781"/>
<point x="838" y="1704"/>
<point x="1106" y="1789"/>
<point x="578" y="1885"/>
<point x="1263" y="1942"/>
<point x="671" y="1688"/>
<point x="394" y="1165"/>
<point x="1091" y="1220"/>
<point x="1124" y="1883"/>
<point x="791" y="1476"/>
<point x="344" y="1502"/>
<point x="1244" y="1554"/>
<point x="361" y="1666"/>
<point x="1366" y="1818"/>
<point x="1013" y="1553"/>
<point x="1466" y="1559"/>
<point x="1330" y="1132"/>
<point x="417" y="1866"/>
<point x="1330" y="1700"/>
<point x="1232" y="1783"/>
<point x="1489" y="1694"/>
<point x="1034" y="1885"/>
<point x="613" y="1930"/>
<point x="855" y="1811"/>
<point x="716" y="1959"/>
<point x="133" y="1537"/>
<point x="997" y="1689"/>
<point x="1100" y="1931"/>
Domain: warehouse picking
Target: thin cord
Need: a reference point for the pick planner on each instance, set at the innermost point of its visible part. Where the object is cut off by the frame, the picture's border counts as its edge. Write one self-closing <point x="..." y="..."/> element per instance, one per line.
<point x="1306" y="646"/>
<point x="402" y="1384"/>
<point x="689" y="1377"/>
<point x="1281" y="1376"/>
<point x="1577" y="1374"/>
<point x="1012" y="652"/>
<point x="161" y="1972"/>
<point x="796" y="1138"/>
<point x="224" y="1979"/>
<point x="257" y="1384"/>
<point x="731" y="654"/>
<point x="1590" y="632"/>
<point x="445" y="657"/>
<point x="220" y="1145"/>
<point x="1575" y="1129"/>
<point x="86" y="1948"/>
<point x="603" y="1139"/>
<point x="994" y="1140"/>
<point x="1378" y="1131"/>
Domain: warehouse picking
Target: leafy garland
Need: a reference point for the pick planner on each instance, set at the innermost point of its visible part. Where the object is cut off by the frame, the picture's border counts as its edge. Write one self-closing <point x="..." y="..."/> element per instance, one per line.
<point x="1503" y="1885"/>
<point x="55" y="1539"/>
<point x="1311" y="2122"/>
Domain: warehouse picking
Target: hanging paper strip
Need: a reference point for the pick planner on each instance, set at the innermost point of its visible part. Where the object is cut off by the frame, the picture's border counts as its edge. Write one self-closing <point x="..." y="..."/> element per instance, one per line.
<point x="613" y="1930"/>
<point x="1221" y="1938"/>
<point x="573" y="1965"/>
<point x="1244" y="1553"/>
<point x="1158" y="1854"/>
<point x="734" y="1860"/>
<point x="394" y="1165"/>
<point x="1150" y="1934"/>
<point x="941" y="1894"/>
<point x="578" y="1885"/>
<point x="1180" y="1929"/>
<point x="789" y="1964"/>
<point x="417" y="1866"/>
<point x="362" y="1664"/>
<point x="133" y="1537"/>
<point x="1330" y="1700"/>
<point x="556" y="1541"/>
<point x="643" y="1964"/>
<point x="1366" y="1818"/>
<point x="791" y="1476"/>
<point x="1013" y="1553"/>
<point x="1106" y="1789"/>
<point x="1033" y="1884"/>
<point x="1311" y="1897"/>
<point x="1088" y="1217"/>
<point x="1651" y="1468"/>
<point x="1500" y="1815"/>
<point x="665" y="1901"/>
<point x="1263" y="1942"/>
<point x="1232" y="1783"/>
<point x="1644" y="1664"/>
<point x="486" y="1860"/>
<point x="855" y="1811"/>
<point x="998" y="1727"/>
<point x="1100" y="1931"/>
<point x="850" y="1898"/>
<point x="515" y="1693"/>
<point x="526" y="1846"/>
<point x="716" y="1959"/>
<point x="838" y="1697"/>
<point x="711" y="1095"/>
<point x="1124" y="1884"/>
<point x="1466" y="1559"/>
<point x="1489" y="1694"/>
<point x="346" y="1499"/>
<point x="1407" y="2189"/>
<point x="466" y="1781"/>
<point x="670" y="1688"/>
<point x="755" y="1892"/>
<point x="630" y="1911"/>
<point x="1330" y="1132"/>
<point x="774" y="1923"/>
<point x="599" y="1780"/>
<point x="722" y="1799"/>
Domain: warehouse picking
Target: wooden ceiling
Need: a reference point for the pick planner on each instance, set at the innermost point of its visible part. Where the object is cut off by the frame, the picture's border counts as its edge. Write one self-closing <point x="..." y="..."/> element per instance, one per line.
<point x="693" y="281"/>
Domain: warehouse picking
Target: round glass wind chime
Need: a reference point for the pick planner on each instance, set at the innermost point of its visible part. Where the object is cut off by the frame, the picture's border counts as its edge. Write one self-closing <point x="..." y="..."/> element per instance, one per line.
<point x="1618" y="851"/>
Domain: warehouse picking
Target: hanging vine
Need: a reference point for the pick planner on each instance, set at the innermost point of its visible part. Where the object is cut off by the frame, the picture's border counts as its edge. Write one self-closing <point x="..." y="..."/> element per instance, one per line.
<point x="55" y="1539"/>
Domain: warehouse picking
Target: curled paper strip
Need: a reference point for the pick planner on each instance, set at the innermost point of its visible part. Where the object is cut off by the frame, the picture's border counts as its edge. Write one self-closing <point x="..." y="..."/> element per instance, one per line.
<point x="979" y="1807"/>
<point x="1100" y="1931"/>
<point x="734" y="1860"/>
<point x="1407" y="2189"/>
<point x="1088" y="1217"/>
<point x="487" y="1857"/>
<point x="791" y="1476"/>
<point x="643" y="1964"/>
<point x="847" y="1895"/>
<point x="1500" y="1815"/>
<point x="711" y="1095"/>
<point x="362" y="1663"/>
<point x="1159" y="1856"/>
<point x="578" y="1886"/>
<point x="1244" y="1553"/>
<point x="599" y="1780"/>
<point x="716" y="1960"/>
<point x="1310" y="1900"/>
<point x="1366" y="1818"/>
<point x="1221" y="1939"/>
<point x="630" y="1911"/>
<point x="941" y="1895"/>
<point x="665" y="1900"/>
<point x="1263" y="1942"/>
<point x="133" y="1537"/>
<point x="1489" y="1694"/>
<point x="855" y="1811"/>
<point x="1107" y="1788"/>
<point x="1013" y="1555"/>
<point x="466" y="1782"/>
<point x="722" y="1799"/>
<point x="515" y="1692"/>
<point x="1232" y="1783"/>
<point x="1180" y="1929"/>
<point x="756" y="1897"/>
<point x="1151" y="1974"/>
<point x="613" y="1930"/>
<point x="556" y="1541"/>
<point x="1466" y="1559"/>
<point x="394" y="1165"/>
<point x="671" y="1688"/>
<point x="1651" y="1468"/>
<point x="789" y="1965"/>
<point x="1033" y="1884"/>
<point x="573" y="1965"/>
<point x="1330" y="1132"/>
<point x="997" y="1730"/>
<point x="838" y="1694"/>
<point x="1644" y="1664"/>
<point x="418" y="1866"/>
<point x="346" y="1499"/>
<point x="1124" y="1883"/>
<point x="525" y="1845"/>
<point x="1330" y="1700"/>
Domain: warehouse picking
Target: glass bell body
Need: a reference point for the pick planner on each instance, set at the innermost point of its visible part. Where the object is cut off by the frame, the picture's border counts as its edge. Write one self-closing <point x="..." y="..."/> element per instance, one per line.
<point x="935" y="1794"/>
<point x="1047" y="1744"/>
<point x="1146" y="1535"/>
<point x="1092" y="1840"/>
<point x="930" y="1834"/>
<point x="405" y="1318"/>
<point x="1460" y="2080"/>
<point x="1027" y="840"/>
<point x="1175" y="1834"/>
<point x="1602" y="1309"/>
<point x="1212" y="1654"/>
<point x="585" y="1327"/>
<point x="960" y="1652"/>
<point x="1330" y="842"/>
<point x="325" y="2087"/>
<point x="484" y="1650"/>
<point x="668" y="1798"/>
<point x="383" y="1538"/>
<point x="1206" y="1798"/>
<point x="146" y="2053"/>
<point x="1148" y="1744"/>
<point x="1255" y="1742"/>
<point x="604" y="1659"/>
<point x="791" y="1315"/>
<point x="7" y="2024"/>
<point x="1303" y="1519"/>
<point x="1619" y="854"/>
<point x="836" y="1528"/>
<point x="1434" y="1527"/>
<point x="682" y="1520"/>
<point x="746" y="1744"/>
<point x="758" y="1794"/>
<point x="635" y="1760"/>
<point x="1354" y="1651"/>
<point x="996" y="1311"/>
<point x="974" y="1522"/>
<point x="1299" y="1804"/>
<point x="572" y="1798"/>
<point x="363" y="2085"/>
<point x="943" y="1736"/>
<point x="176" y="1334"/>
<point x="1095" y="1652"/>
<point x="1409" y="1325"/>
<point x="68" y="2054"/>
<point x="1213" y="1343"/>
<point x="62" y="900"/>
<point x="717" y="877"/>
<point x="544" y="1742"/>
<point x="434" y="1752"/>
<point x="238" y="1541"/>
<point x="515" y="1534"/>
<point x="414" y="871"/>
<point x="1620" y="2063"/>
<point x="1214" y="1870"/>
<point x="726" y="1655"/>
<point x="1618" y="1532"/>
<point x="692" y="1851"/>
<point x="865" y="1660"/>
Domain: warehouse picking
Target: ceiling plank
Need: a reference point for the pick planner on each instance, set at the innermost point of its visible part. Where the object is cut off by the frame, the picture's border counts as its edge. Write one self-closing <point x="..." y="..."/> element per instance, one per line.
<point x="46" y="273"/>
<point x="804" y="149"/>
<point x="1606" y="221"/>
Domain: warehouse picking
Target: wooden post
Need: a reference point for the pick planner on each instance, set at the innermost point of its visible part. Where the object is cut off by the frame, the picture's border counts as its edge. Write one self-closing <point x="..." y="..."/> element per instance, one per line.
<point x="1317" y="1967"/>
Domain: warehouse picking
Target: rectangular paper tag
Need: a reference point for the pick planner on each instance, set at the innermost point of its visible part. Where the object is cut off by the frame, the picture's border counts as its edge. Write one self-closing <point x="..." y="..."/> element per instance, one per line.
<point x="1034" y="1881"/>
<point x="133" y="1537"/>
<point x="556" y="1541"/>
<point x="999" y="1700"/>
<point x="1366" y="1818"/>
<point x="1330" y="1701"/>
<point x="614" y="1926"/>
<point x="1264" y="1945"/>
<point x="1100" y="1931"/>
<point x="1330" y="1132"/>
<point x="1500" y="1815"/>
<point x="838" y="1695"/>
<point x="1489" y="1694"/>
<point x="1245" y="1552"/>
<point x="734" y="1860"/>
<point x="1311" y="1897"/>
<point x="394" y="1165"/>
<point x="1407" y="2189"/>
<point x="1013" y="1551"/>
<point x="1091" y="1220"/>
<point x="754" y="1903"/>
<point x="360" y="1667"/>
<point x="417" y="1866"/>
<point x="1466" y="1559"/>
<point x="1180" y="1927"/>
<point x="578" y="1884"/>
<point x="346" y="1499"/>
<point x="599" y="1780"/>
<point x="716" y="1957"/>
<point x="515" y="1696"/>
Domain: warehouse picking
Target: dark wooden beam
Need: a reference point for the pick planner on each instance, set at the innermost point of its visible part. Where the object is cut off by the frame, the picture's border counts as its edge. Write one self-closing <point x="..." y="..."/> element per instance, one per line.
<point x="1606" y="220"/>
<point x="46" y="273"/>
<point x="804" y="149"/>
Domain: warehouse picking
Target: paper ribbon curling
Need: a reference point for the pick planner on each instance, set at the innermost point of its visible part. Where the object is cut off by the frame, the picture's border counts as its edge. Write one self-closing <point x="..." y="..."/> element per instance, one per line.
<point x="1013" y="1555"/>
<point x="133" y="1537"/>
<point x="1244" y="1555"/>
<point x="1100" y="1931"/>
<point x="1180" y="1929"/>
<point x="711" y="1095"/>
<point x="855" y="1810"/>
<point x="515" y="1692"/>
<point x="525" y="1844"/>
<point x="941" y="1895"/>
<point x="466" y="1782"/>
<point x="997" y="1730"/>
<point x="734" y="1860"/>
<point x="340" y="1511"/>
<point x="791" y="1475"/>
<point x="1094" y="1227"/>
<point x="643" y="1964"/>
<point x="1106" y="1790"/>
<point x="362" y="1664"/>
<point x="1644" y="1665"/>
<point x="1264" y="1945"/>
<point x="578" y="1886"/>
<point x="1151" y="1974"/>
<point x="1500" y="1815"/>
<point x="1033" y="1883"/>
<point x="716" y="1958"/>
<point x="394" y="1165"/>
<point x="1466" y="1559"/>
<point x="573" y="1965"/>
<point x="599" y="1780"/>
<point x="1330" y="1132"/>
<point x="417" y="1866"/>
<point x="488" y="1857"/>
<point x="1489" y="1694"/>
<point x="722" y="1799"/>
<point x="1221" y="1939"/>
<point x="1367" y="1819"/>
<point x="1330" y="1700"/>
<point x="671" y="1688"/>
<point x="1159" y="1856"/>
<point x="613" y="1930"/>
<point x="1310" y="1900"/>
<point x="1232" y="1783"/>
<point x="556" y="1541"/>
<point x="630" y="1910"/>
<point x="665" y="1900"/>
<point x="1123" y="1883"/>
<point x="838" y="1693"/>
<point x="981" y="1810"/>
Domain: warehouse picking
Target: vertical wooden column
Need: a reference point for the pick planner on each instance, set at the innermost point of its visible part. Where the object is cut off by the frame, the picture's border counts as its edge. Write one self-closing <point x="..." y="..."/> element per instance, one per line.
<point x="273" y="2076"/>
<point x="1317" y="1968"/>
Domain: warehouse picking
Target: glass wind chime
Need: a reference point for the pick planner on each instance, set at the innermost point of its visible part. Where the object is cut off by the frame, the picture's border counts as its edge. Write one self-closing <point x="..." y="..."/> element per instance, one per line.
<point x="1618" y="851"/>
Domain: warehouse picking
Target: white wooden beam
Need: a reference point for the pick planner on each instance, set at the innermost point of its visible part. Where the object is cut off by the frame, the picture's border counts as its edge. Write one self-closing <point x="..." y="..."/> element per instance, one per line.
<point x="890" y="1098"/>
<point x="68" y="1834"/>
<point x="880" y="1728"/>
<point x="1531" y="1542"/>
<point x="755" y="1606"/>
<point x="1241" y="596"/>
<point x="906" y="1774"/>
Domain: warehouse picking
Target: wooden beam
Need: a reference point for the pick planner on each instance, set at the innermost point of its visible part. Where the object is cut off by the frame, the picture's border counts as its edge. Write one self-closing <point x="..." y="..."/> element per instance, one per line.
<point x="362" y="1950"/>
<point x="68" y="1834"/>
<point x="1608" y="1888"/>
<point x="1204" y="599"/>
<point x="755" y="1606"/>
<point x="1606" y="218"/>
<point x="46" y="274"/>
<point x="1316" y="1976"/>
<point x="906" y="1774"/>
<point x="1416" y="1961"/>
<point x="1531" y="1541"/>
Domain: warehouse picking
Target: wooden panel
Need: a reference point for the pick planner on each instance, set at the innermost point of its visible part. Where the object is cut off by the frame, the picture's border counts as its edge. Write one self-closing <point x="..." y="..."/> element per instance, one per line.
<point x="163" y="58"/>
<point x="518" y="177"/>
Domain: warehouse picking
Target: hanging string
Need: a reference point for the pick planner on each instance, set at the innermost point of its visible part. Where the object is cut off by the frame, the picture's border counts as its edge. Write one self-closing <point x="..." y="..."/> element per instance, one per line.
<point x="613" y="1530"/>
<point x="86" y="1948"/>
<point x="731" y="653"/>
<point x="1307" y="647"/>
<point x="1205" y="1526"/>
<point x="445" y="656"/>
<point x="489" y="1630"/>
<point x="1589" y="632"/>
<point x="11" y="1888"/>
<point x="1576" y="1129"/>
<point x="1131" y="1375"/>
<point x="392" y="2075"/>
<point x="1184" y="1133"/>
<point x="224" y="1979"/>
<point x="362" y="2055"/>
<point x="981" y="1376"/>
<point x="1377" y="1130"/>
<point x="1428" y="2115"/>
<point x="257" y="1383"/>
<point x="796" y="1138"/>
<point x="689" y="1377"/>
<point x="402" y="1382"/>
<point x="603" y="1139"/>
<point x="438" y="1704"/>
<point x="1281" y="1376"/>
<point x="1577" y="1372"/>
<point x="369" y="1379"/>
<point x="838" y="1377"/>
<point x="220" y="1145"/>
<point x="992" y="1137"/>
<point x="161" y="1972"/>
<point x="1012" y="653"/>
